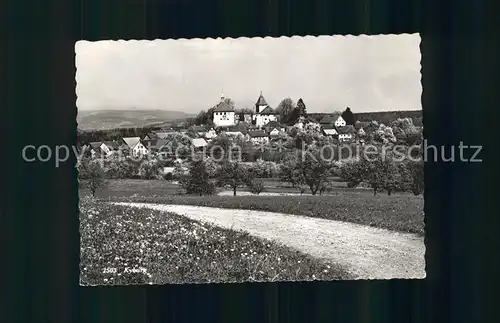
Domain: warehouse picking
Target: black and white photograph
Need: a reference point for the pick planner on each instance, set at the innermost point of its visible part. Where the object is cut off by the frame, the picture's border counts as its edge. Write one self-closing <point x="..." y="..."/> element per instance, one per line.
<point x="250" y="159"/>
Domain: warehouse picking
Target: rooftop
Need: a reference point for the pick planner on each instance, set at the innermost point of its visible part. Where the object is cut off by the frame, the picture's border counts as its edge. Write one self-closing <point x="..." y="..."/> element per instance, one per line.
<point x="261" y="101"/>
<point x="257" y="133"/>
<point x="223" y="107"/>
<point x="268" y="110"/>
<point x="132" y="141"/>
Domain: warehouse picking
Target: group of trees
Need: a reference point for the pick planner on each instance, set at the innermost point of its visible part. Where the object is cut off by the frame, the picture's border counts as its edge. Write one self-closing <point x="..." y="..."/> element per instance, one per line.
<point x="385" y="172"/>
<point x="289" y="112"/>
<point x="204" y="175"/>
<point x="93" y="173"/>
<point x="307" y="168"/>
<point x="84" y="136"/>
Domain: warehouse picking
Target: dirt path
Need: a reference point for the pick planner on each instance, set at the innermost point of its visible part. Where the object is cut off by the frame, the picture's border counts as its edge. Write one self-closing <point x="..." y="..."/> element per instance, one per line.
<point x="368" y="253"/>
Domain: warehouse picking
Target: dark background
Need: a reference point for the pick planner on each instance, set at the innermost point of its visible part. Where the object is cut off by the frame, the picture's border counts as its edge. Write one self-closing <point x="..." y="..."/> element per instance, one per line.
<point x="39" y="222"/>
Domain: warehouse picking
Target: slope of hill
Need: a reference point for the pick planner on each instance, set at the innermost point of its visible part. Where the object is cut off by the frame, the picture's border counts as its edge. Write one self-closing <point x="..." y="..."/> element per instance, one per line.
<point x="109" y="119"/>
<point x="386" y="117"/>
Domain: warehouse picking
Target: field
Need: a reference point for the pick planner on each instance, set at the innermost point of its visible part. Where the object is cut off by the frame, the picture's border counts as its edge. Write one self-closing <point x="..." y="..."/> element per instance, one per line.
<point x="112" y="119"/>
<point x="129" y="187"/>
<point x="400" y="212"/>
<point x="122" y="245"/>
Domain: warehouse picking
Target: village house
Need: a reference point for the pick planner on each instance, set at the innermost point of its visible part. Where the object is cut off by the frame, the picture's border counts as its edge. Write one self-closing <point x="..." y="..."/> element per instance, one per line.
<point x="199" y="144"/>
<point x="257" y="137"/>
<point x="274" y="133"/>
<point x="224" y="115"/>
<point x="135" y="145"/>
<point x="263" y="112"/>
<point x="236" y="130"/>
<point x="270" y="126"/>
<point x="247" y="118"/>
<point x="210" y="134"/>
<point x="346" y="133"/>
<point x="168" y="172"/>
<point x="200" y="130"/>
<point x="110" y="147"/>
<point x="340" y="122"/>
<point x="163" y="134"/>
<point x="95" y="148"/>
<point x="302" y="121"/>
<point x="361" y="132"/>
<point x="333" y="119"/>
<point x="329" y="130"/>
<point x="155" y="146"/>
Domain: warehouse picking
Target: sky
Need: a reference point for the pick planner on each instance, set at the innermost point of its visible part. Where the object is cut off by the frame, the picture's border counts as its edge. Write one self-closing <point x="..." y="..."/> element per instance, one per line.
<point x="366" y="73"/>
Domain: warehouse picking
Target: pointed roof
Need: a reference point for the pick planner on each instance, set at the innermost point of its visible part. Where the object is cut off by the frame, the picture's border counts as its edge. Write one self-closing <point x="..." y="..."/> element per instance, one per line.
<point x="267" y="110"/>
<point x="261" y="101"/>
<point x="112" y="144"/>
<point x="132" y="141"/>
<point x="328" y="126"/>
<point x="330" y="132"/>
<point x="95" y="144"/>
<point x="330" y="118"/>
<point x="163" y="135"/>
<point x="241" y="127"/>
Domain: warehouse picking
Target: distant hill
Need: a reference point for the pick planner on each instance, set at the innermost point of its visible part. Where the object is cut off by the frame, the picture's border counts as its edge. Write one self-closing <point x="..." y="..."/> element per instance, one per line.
<point x="110" y="119"/>
<point x="387" y="117"/>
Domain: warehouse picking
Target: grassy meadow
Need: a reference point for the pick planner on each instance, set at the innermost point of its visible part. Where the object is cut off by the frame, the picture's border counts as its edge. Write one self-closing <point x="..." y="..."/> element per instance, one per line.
<point x="124" y="245"/>
<point x="399" y="212"/>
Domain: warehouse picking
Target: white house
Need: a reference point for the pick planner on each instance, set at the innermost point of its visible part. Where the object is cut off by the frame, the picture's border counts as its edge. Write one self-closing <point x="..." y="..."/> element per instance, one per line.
<point x="199" y="143"/>
<point x="340" y="122"/>
<point x="224" y="114"/>
<point x="258" y="137"/>
<point x="274" y="132"/>
<point x="263" y="112"/>
<point x="135" y="145"/>
<point x="335" y="119"/>
<point x="210" y="134"/>
<point x="95" y="148"/>
<point x="346" y="133"/>
<point x="329" y="130"/>
<point x="110" y="147"/>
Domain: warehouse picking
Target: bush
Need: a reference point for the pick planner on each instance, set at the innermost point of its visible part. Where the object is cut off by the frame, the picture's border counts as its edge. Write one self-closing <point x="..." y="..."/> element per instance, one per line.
<point x="256" y="186"/>
<point x="168" y="177"/>
<point x="149" y="169"/>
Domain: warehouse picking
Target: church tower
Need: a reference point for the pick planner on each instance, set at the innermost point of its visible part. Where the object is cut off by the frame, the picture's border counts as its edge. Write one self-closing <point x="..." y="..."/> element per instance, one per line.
<point x="261" y="104"/>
